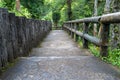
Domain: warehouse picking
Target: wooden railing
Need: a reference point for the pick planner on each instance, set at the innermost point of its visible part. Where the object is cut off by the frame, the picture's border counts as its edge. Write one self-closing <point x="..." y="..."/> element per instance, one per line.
<point x="72" y="27"/>
<point x="56" y="28"/>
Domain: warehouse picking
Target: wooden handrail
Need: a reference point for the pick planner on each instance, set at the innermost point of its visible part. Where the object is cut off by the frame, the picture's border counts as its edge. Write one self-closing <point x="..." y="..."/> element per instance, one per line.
<point x="111" y="18"/>
<point x="86" y="20"/>
<point x="92" y="39"/>
<point x="56" y="28"/>
<point x="105" y="20"/>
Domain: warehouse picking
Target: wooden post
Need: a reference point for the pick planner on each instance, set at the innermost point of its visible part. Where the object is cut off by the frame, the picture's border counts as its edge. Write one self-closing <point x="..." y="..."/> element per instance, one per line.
<point x="63" y="28"/>
<point x="13" y="39"/>
<point x="76" y="36"/>
<point x="104" y="40"/>
<point x="4" y="36"/>
<point x="85" y="31"/>
<point x="72" y="28"/>
<point x="69" y="27"/>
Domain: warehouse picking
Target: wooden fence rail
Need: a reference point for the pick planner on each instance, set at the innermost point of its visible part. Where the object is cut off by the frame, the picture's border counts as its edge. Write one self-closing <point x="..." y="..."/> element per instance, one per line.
<point x="56" y="28"/>
<point x="18" y="35"/>
<point x="103" y="42"/>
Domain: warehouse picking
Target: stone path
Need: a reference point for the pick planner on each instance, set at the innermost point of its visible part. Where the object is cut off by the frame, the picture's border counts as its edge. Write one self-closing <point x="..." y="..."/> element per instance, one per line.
<point x="59" y="58"/>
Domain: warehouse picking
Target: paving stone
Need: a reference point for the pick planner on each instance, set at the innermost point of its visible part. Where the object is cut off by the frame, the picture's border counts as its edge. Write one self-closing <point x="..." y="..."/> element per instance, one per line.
<point x="60" y="58"/>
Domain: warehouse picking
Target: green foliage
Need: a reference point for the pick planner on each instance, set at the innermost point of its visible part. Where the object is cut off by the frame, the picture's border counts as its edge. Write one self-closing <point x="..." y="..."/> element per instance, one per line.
<point x="29" y="8"/>
<point x="23" y="12"/>
<point x="88" y="12"/>
<point x="35" y="7"/>
<point x="94" y="50"/>
<point x="56" y="17"/>
<point x="42" y="9"/>
<point x="114" y="57"/>
<point x="101" y="5"/>
<point x="10" y="5"/>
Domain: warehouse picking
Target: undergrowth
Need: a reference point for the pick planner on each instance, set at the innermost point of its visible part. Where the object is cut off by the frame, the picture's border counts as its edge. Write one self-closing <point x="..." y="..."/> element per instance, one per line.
<point x="113" y="57"/>
<point x="95" y="50"/>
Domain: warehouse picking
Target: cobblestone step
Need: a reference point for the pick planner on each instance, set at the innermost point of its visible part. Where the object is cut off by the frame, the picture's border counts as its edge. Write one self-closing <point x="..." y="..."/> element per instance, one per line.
<point x="61" y="68"/>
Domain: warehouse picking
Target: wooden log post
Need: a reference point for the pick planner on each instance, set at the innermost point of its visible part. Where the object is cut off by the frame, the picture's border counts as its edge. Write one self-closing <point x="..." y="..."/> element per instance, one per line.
<point x="30" y="34"/>
<point x="74" y="27"/>
<point x="19" y="24"/>
<point x="13" y="51"/>
<point x="27" y="35"/>
<point x="2" y="45"/>
<point x="77" y="36"/>
<point x="71" y="31"/>
<point x="4" y="32"/>
<point x="68" y="29"/>
<point x="104" y="39"/>
<point x="85" y="31"/>
<point x="68" y="25"/>
<point x="64" y="27"/>
<point x="18" y="35"/>
<point x="25" y="47"/>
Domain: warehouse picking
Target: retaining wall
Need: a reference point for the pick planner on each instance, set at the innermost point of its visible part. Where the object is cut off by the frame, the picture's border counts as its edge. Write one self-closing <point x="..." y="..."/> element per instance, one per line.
<point x="18" y="35"/>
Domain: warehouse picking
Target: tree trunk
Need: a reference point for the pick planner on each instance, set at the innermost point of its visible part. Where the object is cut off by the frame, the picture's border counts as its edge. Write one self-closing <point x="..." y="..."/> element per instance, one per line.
<point x="95" y="14"/>
<point x="69" y="13"/>
<point x="107" y="7"/>
<point x="106" y="11"/>
<point x="18" y="5"/>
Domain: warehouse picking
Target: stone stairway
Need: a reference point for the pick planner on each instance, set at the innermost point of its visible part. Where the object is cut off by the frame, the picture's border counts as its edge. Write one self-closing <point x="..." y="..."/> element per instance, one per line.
<point x="59" y="58"/>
